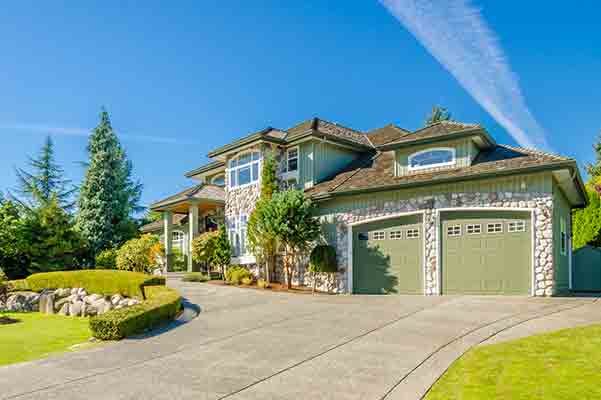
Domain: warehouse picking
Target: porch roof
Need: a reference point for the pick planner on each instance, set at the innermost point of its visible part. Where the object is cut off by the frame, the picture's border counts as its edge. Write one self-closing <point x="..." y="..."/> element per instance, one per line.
<point x="203" y="193"/>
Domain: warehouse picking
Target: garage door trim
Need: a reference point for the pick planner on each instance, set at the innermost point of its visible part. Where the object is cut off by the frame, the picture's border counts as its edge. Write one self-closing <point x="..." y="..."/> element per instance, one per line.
<point x="489" y="209"/>
<point x="349" y="275"/>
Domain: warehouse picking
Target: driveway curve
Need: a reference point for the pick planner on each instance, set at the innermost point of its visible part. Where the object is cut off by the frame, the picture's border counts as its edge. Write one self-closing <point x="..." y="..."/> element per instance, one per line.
<point x="250" y="344"/>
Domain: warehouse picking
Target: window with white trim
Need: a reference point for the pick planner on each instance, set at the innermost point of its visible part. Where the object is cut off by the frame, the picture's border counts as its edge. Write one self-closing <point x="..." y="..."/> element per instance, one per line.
<point x="473" y="229"/>
<point x="292" y="159"/>
<point x="244" y="169"/>
<point x="395" y="235"/>
<point x="563" y="233"/>
<point x="237" y="234"/>
<point x="177" y="239"/>
<point x="494" y="227"/>
<point x="378" y="235"/>
<point x="454" y="230"/>
<point x="516" y="226"/>
<point x="412" y="233"/>
<point x="432" y="158"/>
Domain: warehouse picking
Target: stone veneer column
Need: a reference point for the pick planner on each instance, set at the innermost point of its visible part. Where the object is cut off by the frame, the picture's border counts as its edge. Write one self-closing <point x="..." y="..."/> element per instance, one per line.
<point x="193" y="232"/>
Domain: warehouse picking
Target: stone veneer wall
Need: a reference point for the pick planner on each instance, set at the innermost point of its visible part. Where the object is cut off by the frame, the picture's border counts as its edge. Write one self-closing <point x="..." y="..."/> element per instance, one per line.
<point x="542" y="204"/>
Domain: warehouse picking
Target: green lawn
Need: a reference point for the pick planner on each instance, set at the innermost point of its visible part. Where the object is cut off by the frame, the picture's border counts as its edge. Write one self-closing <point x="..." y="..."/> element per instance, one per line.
<point x="38" y="335"/>
<point x="560" y="365"/>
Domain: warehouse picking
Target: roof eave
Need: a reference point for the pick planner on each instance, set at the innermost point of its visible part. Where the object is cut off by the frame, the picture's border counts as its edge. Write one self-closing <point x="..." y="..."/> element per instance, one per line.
<point x="330" y="138"/>
<point x="452" y="135"/>
<point x="259" y="136"/>
<point x="410" y="185"/>
<point x="205" y="168"/>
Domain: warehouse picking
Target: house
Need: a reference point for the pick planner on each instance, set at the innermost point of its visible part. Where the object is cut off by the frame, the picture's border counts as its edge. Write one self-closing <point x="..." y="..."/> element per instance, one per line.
<point x="440" y="210"/>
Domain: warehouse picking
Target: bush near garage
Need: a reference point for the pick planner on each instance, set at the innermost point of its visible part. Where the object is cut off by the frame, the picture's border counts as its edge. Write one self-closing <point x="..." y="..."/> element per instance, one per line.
<point x="108" y="282"/>
<point x="235" y="274"/>
<point x="162" y="304"/>
<point x="195" y="277"/>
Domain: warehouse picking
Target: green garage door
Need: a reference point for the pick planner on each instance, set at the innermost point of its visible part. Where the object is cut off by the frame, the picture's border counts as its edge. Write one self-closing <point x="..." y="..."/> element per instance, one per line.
<point x="387" y="256"/>
<point x="486" y="253"/>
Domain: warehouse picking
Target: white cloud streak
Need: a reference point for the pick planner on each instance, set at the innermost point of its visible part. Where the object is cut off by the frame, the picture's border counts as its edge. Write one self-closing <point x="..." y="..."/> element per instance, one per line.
<point x="457" y="36"/>
<point x="69" y="131"/>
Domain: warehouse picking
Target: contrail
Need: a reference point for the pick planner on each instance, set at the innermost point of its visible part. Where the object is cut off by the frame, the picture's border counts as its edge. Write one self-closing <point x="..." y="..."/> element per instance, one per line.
<point x="456" y="34"/>
<point x="69" y="131"/>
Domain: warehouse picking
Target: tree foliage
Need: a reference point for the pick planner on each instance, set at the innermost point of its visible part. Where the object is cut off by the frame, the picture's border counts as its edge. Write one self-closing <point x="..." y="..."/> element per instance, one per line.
<point x="322" y="260"/>
<point x="288" y="217"/>
<point x="13" y="260"/>
<point x="438" y="114"/>
<point x="45" y="180"/>
<point x="262" y="241"/>
<point x="50" y="240"/>
<point x="109" y="195"/>
<point x="212" y="248"/>
<point x="106" y="259"/>
<point x="140" y="254"/>
<point x="586" y="222"/>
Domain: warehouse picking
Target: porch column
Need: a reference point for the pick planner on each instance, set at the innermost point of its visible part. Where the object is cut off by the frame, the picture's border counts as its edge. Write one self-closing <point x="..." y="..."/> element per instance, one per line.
<point x="193" y="225"/>
<point x="168" y="239"/>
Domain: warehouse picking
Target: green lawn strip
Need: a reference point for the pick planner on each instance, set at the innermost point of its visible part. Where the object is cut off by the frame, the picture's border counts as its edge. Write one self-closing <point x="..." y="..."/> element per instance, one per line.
<point x="561" y="365"/>
<point x="38" y="335"/>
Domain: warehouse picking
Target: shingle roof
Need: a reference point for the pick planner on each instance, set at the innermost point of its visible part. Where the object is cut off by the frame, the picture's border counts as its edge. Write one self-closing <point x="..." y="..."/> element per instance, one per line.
<point x="176" y="219"/>
<point x="386" y="134"/>
<point x="205" y="168"/>
<point x="204" y="191"/>
<point x="331" y="129"/>
<point x="440" y="129"/>
<point x="376" y="171"/>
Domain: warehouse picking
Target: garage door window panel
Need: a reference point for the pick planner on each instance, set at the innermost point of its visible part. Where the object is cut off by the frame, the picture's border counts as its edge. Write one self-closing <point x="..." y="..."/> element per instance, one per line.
<point x="378" y="235"/>
<point x="473" y="229"/>
<point x="412" y="233"/>
<point x="395" y="235"/>
<point x="454" y="230"/>
<point x="494" y="227"/>
<point x="516" y="226"/>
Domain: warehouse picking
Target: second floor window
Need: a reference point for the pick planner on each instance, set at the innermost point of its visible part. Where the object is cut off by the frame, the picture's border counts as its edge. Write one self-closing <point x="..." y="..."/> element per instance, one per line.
<point x="292" y="160"/>
<point x="432" y="158"/>
<point x="244" y="169"/>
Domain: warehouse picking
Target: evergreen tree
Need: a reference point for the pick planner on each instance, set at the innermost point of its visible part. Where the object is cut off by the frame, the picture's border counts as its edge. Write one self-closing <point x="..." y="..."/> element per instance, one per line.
<point x="51" y="242"/>
<point x="13" y="259"/>
<point x="594" y="169"/>
<point x="438" y="114"/>
<point x="109" y="196"/>
<point x="45" y="180"/>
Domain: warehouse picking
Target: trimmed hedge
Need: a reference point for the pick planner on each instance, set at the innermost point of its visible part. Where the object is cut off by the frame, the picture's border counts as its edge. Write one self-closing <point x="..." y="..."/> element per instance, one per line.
<point x="131" y="284"/>
<point x="236" y="273"/>
<point x="18" y="285"/>
<point x="162" y="305"/>
<point x="195" y="277"/>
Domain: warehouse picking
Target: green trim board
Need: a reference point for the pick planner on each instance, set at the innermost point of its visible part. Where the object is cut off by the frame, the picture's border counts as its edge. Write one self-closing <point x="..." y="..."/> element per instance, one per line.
<point x="486" y="252"/>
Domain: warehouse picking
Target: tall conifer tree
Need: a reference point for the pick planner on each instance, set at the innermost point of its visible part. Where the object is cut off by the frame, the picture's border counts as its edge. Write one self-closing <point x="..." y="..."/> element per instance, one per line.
<point x="109" y="196"/>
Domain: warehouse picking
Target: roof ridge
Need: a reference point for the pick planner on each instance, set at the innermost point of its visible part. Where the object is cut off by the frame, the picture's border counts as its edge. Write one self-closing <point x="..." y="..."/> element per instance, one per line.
<point x="535" y="151"/>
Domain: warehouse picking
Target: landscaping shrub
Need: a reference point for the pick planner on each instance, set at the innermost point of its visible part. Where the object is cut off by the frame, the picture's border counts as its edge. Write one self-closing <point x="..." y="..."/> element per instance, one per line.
<point x="140" y="254"/>
<point x="236" y="273"/>
<point x="4" y="287"/>
<point x="195" y="277"/>
<point x="131" y="284"/>
<point x="247" y="280"/>
<point x="323" y="259"/>
<point x="107" y="259"/>
<point x="262" y="283"/>
<point x="178" y="260"/>
<point x="162" y="305"/>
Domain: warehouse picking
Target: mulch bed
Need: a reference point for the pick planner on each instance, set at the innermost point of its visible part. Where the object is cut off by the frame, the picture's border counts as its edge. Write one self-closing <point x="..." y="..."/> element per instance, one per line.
<point x="273" y="286"/>
<point x="4" y="320"/>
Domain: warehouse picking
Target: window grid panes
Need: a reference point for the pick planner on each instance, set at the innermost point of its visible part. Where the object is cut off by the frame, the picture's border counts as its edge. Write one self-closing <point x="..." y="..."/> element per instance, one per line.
<point x="454" y="230"/>
<point x="473" y="229"/>
<point x="237" y="234"/>
<point x="412" y="233"/>
<point x="431" y="158"/>
<point x="516" y="226"/>
<point x="495" y="227"/>
<point x="292" y="160"/>
<point x="244" y="169"/>
<point x="395" y="235"/>
<point x="379" y="235"/>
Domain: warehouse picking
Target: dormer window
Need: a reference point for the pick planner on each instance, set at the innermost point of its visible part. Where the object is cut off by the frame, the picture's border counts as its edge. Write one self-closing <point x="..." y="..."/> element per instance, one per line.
<point x="244" y="169"/>
<point x="432" y="158"/>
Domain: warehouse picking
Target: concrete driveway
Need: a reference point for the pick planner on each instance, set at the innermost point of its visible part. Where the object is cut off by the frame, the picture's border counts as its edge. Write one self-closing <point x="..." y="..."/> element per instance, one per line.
<point x="249" y="344"/>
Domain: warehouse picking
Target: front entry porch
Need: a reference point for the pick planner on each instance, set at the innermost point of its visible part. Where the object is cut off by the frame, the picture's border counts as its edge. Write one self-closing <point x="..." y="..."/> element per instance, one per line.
<point x="195" y="211"/>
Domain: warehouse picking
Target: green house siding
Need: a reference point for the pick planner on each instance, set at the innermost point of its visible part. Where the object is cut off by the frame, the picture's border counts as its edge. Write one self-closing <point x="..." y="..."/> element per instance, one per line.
<point x="320" y="160"/>
<point x="561" y="212"/>
<point x="465" y="151"/>
<point x="532" y="183"/>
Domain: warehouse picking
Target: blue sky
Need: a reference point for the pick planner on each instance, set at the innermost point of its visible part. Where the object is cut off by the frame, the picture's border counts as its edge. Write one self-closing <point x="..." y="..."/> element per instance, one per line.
<point x="181" y="78"/>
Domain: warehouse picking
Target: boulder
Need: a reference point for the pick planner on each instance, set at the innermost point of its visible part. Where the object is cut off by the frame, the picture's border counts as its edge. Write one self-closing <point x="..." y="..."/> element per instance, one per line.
<point x="76" y="307"/>
<point x="132" y="302"/>
<point x="91" y="299"/>
<point x="64" y="309"/>
<point x="108" y="306"/>
<point x="60" y="293"/>
<point x="46" y="303"/>
<point x="123" y="302"/>
<point x="81" y="292"/>
<point x="58" y="305"/>
<point x="116" y="298"/>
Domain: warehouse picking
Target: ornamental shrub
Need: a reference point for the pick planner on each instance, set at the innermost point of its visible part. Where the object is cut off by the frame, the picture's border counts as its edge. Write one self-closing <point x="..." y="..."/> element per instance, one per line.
<point x="106" y="282"/>
<point x="4" y="287"/>
<point x="107" y="259"/>
<point x="247" y="280"/>
<point x="18" y="285"/>
<point x="139" y="255"/>
<point x="263" y="284"/>
<point x="236" y="273"/>
<point x="195" y="277"/>
<point x="161" y="305"/>
<point x="323" y="259"/>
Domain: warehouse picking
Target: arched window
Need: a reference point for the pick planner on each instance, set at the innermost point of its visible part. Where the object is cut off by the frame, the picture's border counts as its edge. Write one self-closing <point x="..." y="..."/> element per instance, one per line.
<point x="432" y="158"/>
<point x="219" y="180"/>
<point x="244" y="169"/>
